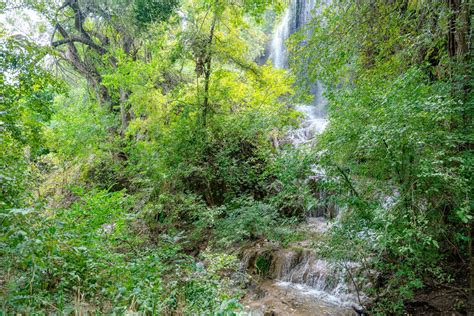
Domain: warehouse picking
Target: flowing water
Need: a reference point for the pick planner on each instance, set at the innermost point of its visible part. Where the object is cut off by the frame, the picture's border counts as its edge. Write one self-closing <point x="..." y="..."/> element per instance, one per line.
<point x="298" y="14"/>
<point x="297" y="281"/>
<point x="311" y="125"/>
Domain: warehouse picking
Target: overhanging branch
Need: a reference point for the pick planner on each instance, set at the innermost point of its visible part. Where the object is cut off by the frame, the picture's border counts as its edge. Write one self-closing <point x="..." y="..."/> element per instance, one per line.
<point x="78" y="39"/>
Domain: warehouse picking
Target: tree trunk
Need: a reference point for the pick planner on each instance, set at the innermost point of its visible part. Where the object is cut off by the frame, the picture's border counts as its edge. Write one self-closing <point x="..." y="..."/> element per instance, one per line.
<point x="124" y="111"/>
<point x="208" y="70"/>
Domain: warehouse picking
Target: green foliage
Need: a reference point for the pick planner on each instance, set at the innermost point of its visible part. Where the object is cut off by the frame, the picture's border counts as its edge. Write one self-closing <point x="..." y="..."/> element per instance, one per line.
<point x="78" y="127"/>
<point x="216" y="281"/>
<point x="149" y="11"/>
<point x="91" y="256"/>
<point x="56" y="255"/>
<point x="167" y="144"/>
<point x="243" y="219"/>
<point x="217" y="162"/>
<point x="289" y="188"/>
<point x="262" y="264"/>
<point x="124" y="199"/>
<point x="393" y="149"/>
<point x="406" y="34"/>
<point x="27" y="91"/>
<point x="378" y="147"/>
<point x="15" y="176"/>
<point x="394" y="141"/>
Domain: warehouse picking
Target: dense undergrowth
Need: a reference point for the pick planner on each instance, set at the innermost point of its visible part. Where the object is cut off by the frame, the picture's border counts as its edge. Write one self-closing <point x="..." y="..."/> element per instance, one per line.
<point x="397" y="147"/>
<point x="131" y="184"/>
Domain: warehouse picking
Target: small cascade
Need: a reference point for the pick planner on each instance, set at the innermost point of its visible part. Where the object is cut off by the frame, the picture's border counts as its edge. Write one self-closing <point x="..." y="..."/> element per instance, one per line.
<point x="302" y="272"/>
<point x="320" y="279"/>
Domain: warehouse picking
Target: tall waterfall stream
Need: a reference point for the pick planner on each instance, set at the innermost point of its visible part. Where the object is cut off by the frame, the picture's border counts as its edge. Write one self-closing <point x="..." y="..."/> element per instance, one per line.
<point x="298" y="282"/>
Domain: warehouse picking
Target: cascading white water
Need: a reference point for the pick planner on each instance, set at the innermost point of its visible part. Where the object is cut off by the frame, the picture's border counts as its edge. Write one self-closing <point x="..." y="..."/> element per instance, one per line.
<point x="280" y="35"/>
<point x="314" y="122"/>
<point x="313" y="282"/>
<point x="311" y="125"/>
<point x="303" y="272"/>
<point x="297" y="14"/>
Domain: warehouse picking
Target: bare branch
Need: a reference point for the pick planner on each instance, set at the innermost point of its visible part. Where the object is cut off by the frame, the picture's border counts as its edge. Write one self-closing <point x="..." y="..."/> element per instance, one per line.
<point x="73" y="39"/>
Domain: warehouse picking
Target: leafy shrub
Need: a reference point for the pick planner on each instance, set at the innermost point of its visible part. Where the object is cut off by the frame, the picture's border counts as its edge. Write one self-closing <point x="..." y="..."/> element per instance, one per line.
<point x="392" y="143"/>
<point x="289" y="188"/>
<point x="171" y="213"/>
<point x="15" y="173"/>
<point x="262" y="264"/>
<point x="148" y="11"/>
<point x="78" y="127"/>
<point x="91" y="257"/>
<point x="213" y="286"/>
<point x="245" y="219"/>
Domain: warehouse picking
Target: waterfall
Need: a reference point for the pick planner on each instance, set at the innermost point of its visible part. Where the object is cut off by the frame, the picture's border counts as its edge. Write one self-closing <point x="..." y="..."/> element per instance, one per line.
<point x="296" y="15"/>
<point x="278" y="49"/>
<point x="313" y="122"/>
<point x="301" y="271"/>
